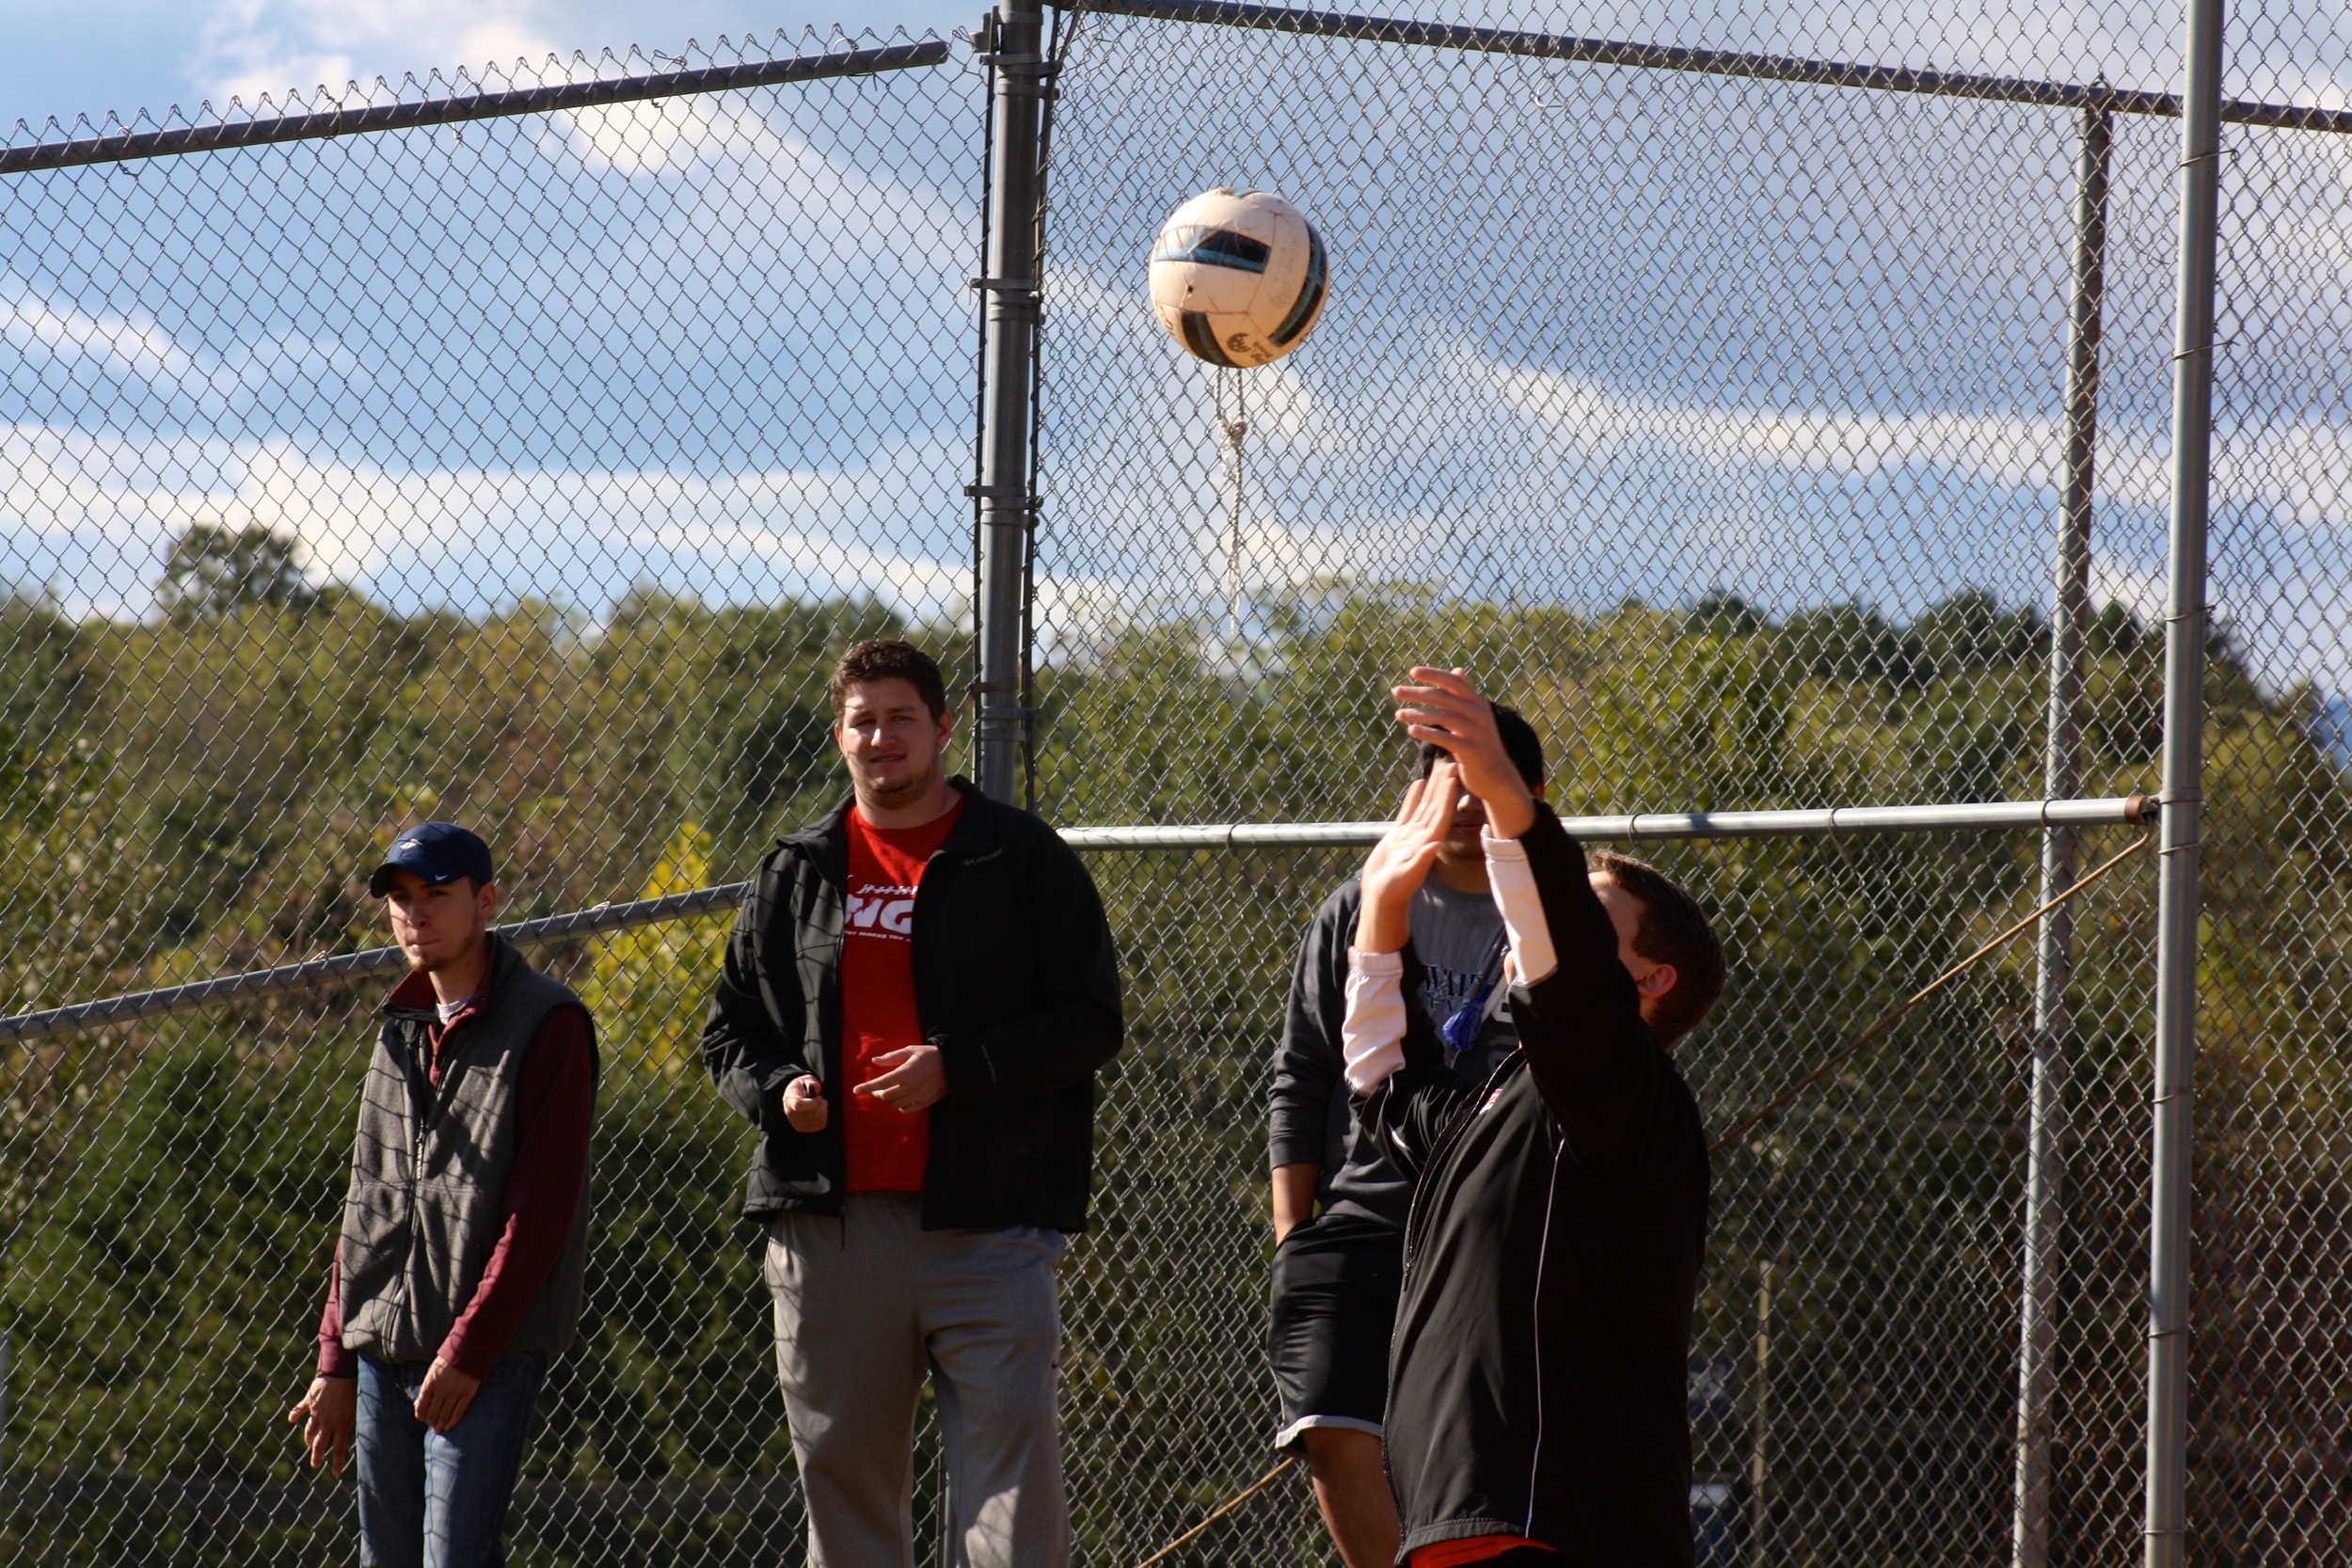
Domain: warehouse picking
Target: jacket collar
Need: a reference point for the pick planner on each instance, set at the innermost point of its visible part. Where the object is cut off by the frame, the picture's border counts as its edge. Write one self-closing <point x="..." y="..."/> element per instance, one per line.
<point x="977" y="828"/>
<point x="413" y="997"/>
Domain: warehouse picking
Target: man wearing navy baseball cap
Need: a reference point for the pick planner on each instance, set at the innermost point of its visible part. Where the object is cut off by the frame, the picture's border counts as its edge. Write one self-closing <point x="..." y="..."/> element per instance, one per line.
<point x="438" y="853"/>
<point x="465" y="1235"/>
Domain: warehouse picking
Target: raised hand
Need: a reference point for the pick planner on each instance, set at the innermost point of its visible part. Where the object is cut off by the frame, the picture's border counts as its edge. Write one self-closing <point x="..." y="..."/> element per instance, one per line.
<point x="1442" y="706"/>
<point x="1399" y="862"/>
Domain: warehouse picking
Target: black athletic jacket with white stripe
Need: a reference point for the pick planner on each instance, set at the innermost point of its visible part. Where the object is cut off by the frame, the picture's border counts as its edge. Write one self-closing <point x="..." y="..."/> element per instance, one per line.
<point x="1536" y="1379"/>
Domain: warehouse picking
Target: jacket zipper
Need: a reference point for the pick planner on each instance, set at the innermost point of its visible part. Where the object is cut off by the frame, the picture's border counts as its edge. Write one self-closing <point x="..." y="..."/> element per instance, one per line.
<point x="1535" y="1334"/>
<point x="416" y="1158"/>
<point x="1446" y="1140"/>
<point x="835" y="1047"/>
<point x="416" y="1151"/>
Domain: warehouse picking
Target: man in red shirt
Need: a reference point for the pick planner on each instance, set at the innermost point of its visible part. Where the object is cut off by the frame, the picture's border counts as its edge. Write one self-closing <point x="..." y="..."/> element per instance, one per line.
<point x="913" y="1003"/>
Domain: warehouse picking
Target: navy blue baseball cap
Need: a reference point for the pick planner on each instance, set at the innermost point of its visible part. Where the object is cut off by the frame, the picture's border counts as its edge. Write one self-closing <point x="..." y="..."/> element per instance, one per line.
<point x="437" y="851"/>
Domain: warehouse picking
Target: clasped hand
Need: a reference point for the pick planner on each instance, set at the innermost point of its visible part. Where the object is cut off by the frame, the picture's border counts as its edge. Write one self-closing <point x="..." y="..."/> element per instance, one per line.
<point x="916" y="1079"/>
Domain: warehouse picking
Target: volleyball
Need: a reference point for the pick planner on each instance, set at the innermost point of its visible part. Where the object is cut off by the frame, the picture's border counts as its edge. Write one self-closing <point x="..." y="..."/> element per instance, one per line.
<point x="1238" y="276"/>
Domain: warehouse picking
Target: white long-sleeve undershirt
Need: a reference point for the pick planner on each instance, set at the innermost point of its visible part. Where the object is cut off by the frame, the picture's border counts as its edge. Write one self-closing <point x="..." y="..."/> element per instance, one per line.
<point x="1514" y="883"/>
<point x="1372" y="1035"/>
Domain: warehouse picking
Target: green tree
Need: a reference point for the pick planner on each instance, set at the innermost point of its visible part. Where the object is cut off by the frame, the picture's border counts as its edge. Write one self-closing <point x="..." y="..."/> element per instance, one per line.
<point x="214" y="570"/>
<point x="210" y="787"/>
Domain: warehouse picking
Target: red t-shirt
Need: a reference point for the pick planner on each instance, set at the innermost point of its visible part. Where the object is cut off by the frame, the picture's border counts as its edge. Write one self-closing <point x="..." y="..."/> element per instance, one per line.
<point x="885" y="1148"/>
<point x="1470" y="1548"/>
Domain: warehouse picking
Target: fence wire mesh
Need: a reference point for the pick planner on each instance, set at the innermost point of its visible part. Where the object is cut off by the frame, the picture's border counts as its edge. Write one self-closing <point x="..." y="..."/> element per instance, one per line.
<point x="529" y="470"/>
<point x="532" y="470"/>
<point x="1719" y="423"/>
<point x="2270" y="1364"/>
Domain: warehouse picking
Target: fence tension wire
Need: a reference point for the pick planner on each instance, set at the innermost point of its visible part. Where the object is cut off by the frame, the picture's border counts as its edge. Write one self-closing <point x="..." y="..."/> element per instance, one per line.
<point x="1223" y="1508"/>
<point x="325" y="968"/>
<point x="1831" y="1063"/>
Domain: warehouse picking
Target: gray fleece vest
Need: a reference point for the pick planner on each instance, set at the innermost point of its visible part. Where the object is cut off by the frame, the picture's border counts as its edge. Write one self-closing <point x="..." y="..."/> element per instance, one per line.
<point x="428" y="1174"/>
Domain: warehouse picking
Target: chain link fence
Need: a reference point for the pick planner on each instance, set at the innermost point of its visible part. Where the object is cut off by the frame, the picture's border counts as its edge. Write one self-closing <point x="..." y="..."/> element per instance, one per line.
<point x="523" y="447"/>
<point x="529" y="469"/>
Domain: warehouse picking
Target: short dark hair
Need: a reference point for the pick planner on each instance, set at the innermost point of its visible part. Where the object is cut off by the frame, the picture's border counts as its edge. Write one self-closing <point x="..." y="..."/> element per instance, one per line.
<point x="1518" y="740"/>
<point x="886" y="659"/>
<point x="1673" y="930"/>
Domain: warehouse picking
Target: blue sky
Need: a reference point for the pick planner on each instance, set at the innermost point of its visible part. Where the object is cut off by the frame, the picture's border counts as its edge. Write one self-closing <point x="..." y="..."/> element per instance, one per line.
<point x="1785" y="342"/>
<point x="70" y="56"/>
<point x="66" y="58"/>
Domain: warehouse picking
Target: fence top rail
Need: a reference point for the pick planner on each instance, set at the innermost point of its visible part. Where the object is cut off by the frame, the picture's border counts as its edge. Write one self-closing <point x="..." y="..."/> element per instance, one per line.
<point x="2124" y="811"/>
<point x="1707" y="62"/>
<point x="127" y="146"/>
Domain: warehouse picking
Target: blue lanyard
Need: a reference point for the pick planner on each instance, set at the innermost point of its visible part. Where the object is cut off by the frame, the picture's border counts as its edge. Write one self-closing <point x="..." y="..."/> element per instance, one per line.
<point x="1461" y="1028"/>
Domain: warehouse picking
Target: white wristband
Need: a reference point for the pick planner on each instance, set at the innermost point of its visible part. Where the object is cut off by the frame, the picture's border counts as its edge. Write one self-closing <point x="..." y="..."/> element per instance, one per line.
<point x="1372" y="1036"/>
<point x="1514" y="883"/>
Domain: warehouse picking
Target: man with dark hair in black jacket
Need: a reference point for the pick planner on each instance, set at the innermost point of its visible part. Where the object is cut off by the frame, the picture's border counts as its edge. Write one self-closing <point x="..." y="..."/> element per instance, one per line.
<point x="1339" y="1202"/>
<point x="945" y="959"/>
<point x="1537" y="1403"/>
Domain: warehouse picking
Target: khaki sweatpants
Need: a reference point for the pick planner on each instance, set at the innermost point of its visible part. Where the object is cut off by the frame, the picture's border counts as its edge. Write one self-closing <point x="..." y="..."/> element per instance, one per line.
<point x="865" y="1304"/>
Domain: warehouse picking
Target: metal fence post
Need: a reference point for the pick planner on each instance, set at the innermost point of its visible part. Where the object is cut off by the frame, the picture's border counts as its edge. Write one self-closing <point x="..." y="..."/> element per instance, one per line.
<point x="1007" y="507"/>
<point x="2179" y="840"/>
<point x="1757" y="1515"/>
<point x="2070" y="608"/>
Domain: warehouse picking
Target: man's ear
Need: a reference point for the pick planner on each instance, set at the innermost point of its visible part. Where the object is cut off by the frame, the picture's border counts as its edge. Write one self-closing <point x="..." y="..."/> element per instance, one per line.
<point x="1657" y="983"/>
<point x="489" y="899"/>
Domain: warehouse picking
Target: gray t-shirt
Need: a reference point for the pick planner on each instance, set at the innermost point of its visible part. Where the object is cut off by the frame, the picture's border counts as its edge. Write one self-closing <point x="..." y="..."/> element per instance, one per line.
<point x="1457" y="944"/>
<point x="1458" y="939"/>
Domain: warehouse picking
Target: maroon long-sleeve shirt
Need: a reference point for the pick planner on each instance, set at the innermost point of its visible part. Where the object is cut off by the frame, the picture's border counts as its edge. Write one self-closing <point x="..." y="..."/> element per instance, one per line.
<point x="554" y="1109"/>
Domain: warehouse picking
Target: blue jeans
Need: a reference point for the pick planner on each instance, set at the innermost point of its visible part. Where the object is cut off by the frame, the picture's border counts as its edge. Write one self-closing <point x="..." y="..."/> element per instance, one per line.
<point x="429" y="1499"/>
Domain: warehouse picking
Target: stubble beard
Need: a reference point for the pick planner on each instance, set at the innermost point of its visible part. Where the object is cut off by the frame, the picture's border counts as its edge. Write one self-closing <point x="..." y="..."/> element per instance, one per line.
<point x="905" y="793"/>
<point x="1464" y="844"/>
<point x="456" y="955"/>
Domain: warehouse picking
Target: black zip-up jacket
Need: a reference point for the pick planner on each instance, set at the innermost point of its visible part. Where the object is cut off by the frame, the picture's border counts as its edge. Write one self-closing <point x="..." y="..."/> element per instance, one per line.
<point x="1538" y="1376"/>
<point x="1015" y="982"/>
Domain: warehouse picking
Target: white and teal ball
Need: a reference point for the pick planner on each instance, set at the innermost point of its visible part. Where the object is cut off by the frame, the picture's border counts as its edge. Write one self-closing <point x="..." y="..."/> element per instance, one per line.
<point x="1238" y="278"/>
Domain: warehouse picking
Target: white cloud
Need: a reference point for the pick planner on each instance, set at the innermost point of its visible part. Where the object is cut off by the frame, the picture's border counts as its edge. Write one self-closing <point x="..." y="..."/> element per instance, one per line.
<point x="252" y="48"/>
<point x="2118" y="582"/>
<point x="2298" y="472"/>
<point x="667" y="137"/>
<point x="132" y="345"/>
<point x="745" y="171"/>
<point x="128" y="343"/>
<point x="2006" y="450"/>
<point x="92" y="517"/>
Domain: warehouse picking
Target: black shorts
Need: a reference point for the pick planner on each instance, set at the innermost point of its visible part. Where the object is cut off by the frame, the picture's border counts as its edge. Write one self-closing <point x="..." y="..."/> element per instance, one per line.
<point x="1334" y="1288"/>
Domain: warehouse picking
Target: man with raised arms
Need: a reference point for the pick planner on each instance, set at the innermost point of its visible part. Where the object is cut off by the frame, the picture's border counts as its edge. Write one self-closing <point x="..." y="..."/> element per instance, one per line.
<point x="1536" y="1388"/>
<point x="1339" y="1203"/>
